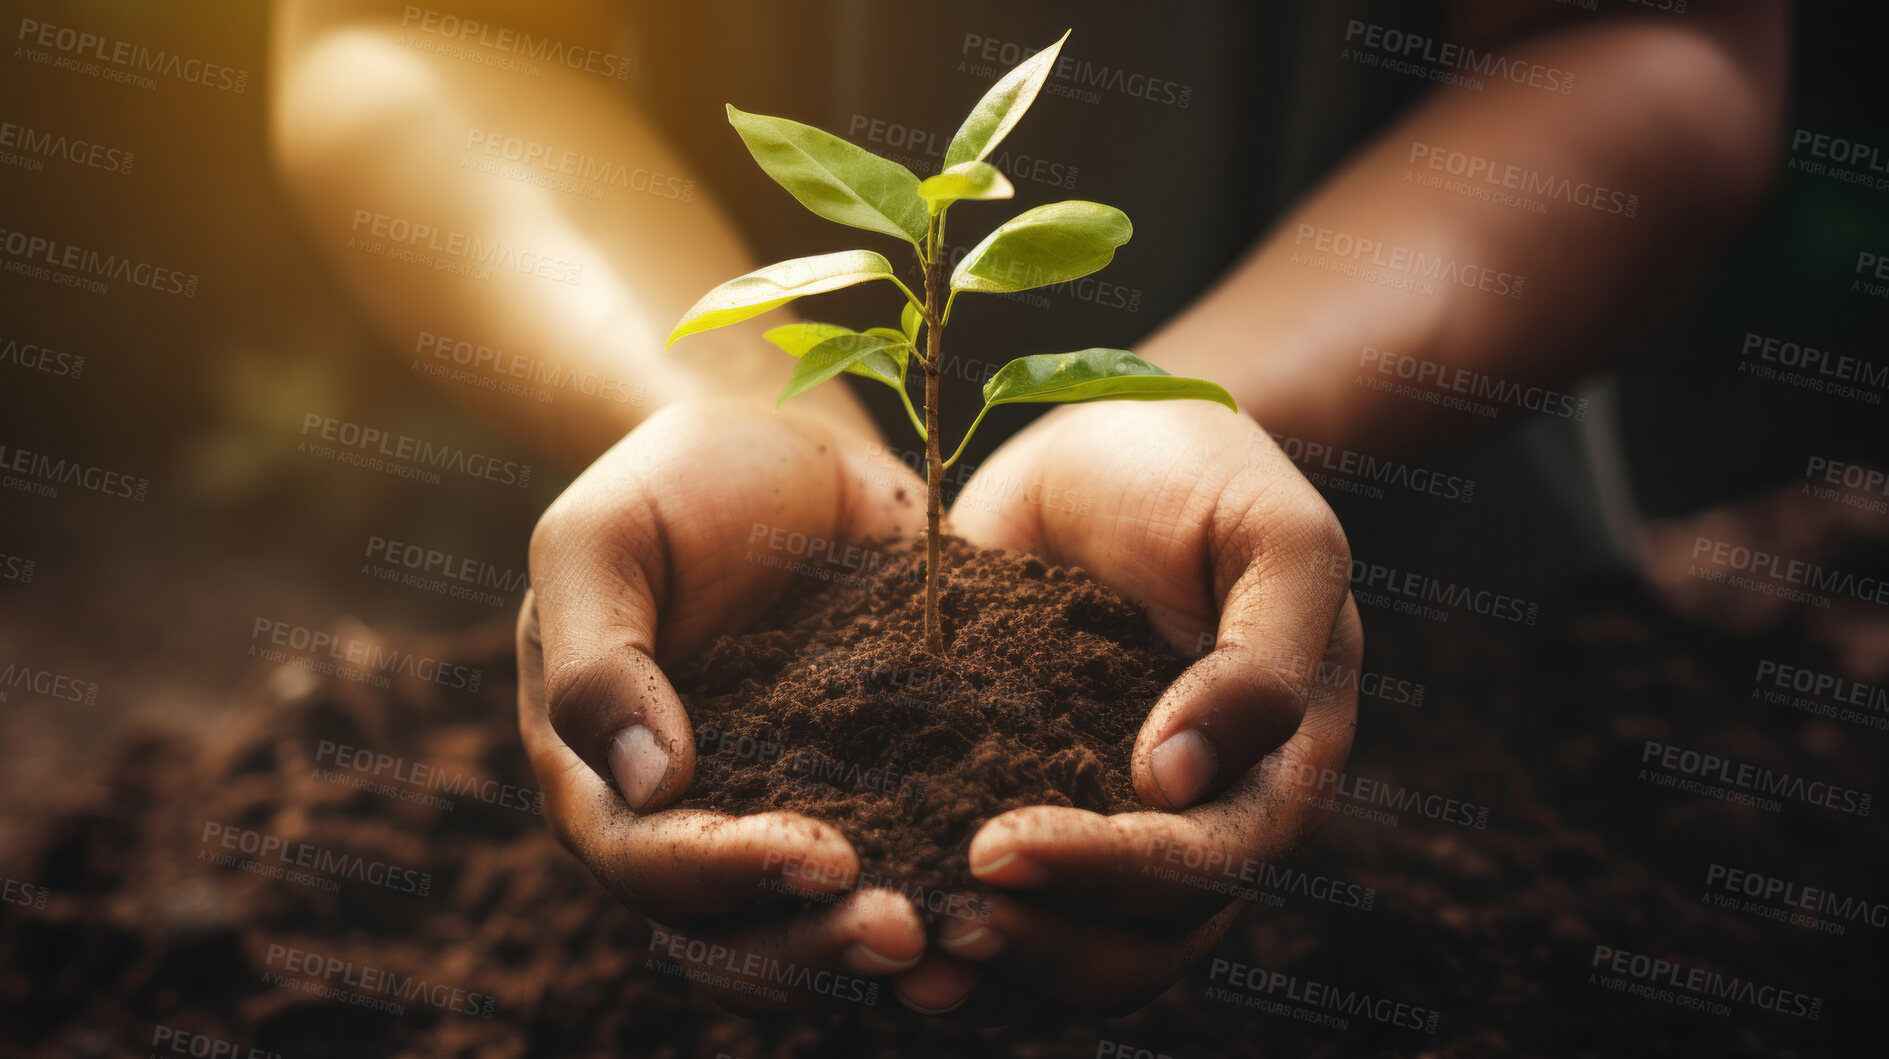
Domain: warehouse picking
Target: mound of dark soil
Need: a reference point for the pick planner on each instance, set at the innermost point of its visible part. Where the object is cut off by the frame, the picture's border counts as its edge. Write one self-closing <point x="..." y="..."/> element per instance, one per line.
<point x="832" y="707"/>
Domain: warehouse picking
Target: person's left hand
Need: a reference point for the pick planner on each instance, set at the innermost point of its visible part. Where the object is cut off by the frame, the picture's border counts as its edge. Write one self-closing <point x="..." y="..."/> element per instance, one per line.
<point x="1192" y="511"/>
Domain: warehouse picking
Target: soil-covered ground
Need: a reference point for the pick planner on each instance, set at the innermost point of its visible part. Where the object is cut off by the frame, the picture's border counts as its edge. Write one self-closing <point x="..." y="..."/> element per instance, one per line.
<point x="273" y="889"/>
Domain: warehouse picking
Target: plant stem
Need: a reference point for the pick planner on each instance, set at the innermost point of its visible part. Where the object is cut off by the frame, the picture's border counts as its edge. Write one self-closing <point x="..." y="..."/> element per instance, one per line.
<point x="934" y="467"/>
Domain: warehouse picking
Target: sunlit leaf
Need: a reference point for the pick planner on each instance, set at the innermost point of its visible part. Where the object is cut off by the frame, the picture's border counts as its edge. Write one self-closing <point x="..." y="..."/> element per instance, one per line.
<point x="1093" y="375"/>
<point x="1049" y="244"/>
<point x="838" y="180"/>
<point x="776" y="285"/>
<point x="966" y="180"/>
<point x="886" y="366"/>
<point x="1003" y="106"/>
<point x="831" y="357"/>
<point x="909" y="319"/>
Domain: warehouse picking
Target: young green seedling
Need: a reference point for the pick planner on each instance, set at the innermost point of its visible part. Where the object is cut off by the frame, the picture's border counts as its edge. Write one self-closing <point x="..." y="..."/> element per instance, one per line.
<point x="1047" y="245"/>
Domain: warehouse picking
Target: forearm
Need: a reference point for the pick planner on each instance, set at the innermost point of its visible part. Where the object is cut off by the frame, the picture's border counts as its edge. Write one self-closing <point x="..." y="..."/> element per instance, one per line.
<point x="575" y="295"/>
<point x="1681" y="113"/>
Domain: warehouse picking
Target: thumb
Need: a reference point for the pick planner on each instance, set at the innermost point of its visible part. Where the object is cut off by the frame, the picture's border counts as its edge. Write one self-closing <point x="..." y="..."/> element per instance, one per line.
<point x="1247" y="696"/>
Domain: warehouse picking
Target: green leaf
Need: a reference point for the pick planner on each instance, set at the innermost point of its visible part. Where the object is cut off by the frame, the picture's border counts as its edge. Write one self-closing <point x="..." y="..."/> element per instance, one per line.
<point x="1003" y="106"/>
<point x="778" y="284"/>
<point x="838" y="180"/>
<point x="831" y="357"/>
<point x="966" y="180"/>
<point x="1094" y="375"/>
<point x="1049" y="244"/>
<point x="886" y="366"/>
<point x="909" y="319"/>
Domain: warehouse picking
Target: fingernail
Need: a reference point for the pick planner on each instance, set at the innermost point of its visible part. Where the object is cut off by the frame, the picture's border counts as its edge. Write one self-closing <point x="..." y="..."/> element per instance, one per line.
<point x="945" y="988"/>
<point x="1183" y="766"/>
<point x="979" y="942"/>
<point x="1011" y="869"/>
<point x="863" y="959"/>
<point x="638" y="764"/>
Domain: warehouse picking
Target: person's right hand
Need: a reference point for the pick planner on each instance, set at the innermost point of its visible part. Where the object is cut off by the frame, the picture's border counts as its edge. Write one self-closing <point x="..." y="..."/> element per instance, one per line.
<point x="642" y="562"/>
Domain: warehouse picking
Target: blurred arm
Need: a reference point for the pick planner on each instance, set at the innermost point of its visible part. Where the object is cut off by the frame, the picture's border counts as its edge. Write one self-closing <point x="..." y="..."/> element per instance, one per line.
<point x="1681" y="110"/>
<point x="377" y="135"/>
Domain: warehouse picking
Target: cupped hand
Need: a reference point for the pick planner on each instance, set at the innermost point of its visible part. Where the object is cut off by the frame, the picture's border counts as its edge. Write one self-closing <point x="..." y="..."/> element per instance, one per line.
<point x="656" y="549"/>
<point x="1192" y="511"/>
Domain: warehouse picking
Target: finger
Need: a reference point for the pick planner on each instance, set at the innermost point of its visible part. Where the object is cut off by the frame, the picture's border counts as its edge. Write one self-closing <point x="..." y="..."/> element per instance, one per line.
<point x="1278" y="639"/>
<point x="1168" y="867"/>
<point x="649" y="555"/>
<point x="1196" y="514"/>
<point x="1058" y="964"/>
<point x="827" y="958"/>
<point x="672" y="865"/>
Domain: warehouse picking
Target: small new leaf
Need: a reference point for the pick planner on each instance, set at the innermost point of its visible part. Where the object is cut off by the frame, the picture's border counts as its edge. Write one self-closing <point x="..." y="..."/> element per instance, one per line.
<point x="831" y="357"/>
<point x="966" y="180"/>
<point x="776" y="285"/>
<point x="886" y="366"/>
<point x="1094" y="375"/>
<point x="909" y="319"/>
<point x="1003" y="106"/>
<point x="838" y="180"/>
<point x="1049" y="244"/>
